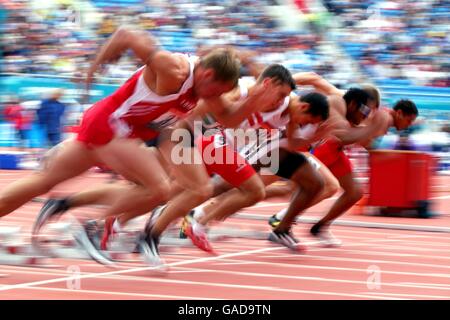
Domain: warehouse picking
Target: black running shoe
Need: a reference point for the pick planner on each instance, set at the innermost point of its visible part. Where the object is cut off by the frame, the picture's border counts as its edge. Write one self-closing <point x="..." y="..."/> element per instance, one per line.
<point x="52" y="208"/>
<point x="287" y="239"/>
<point x="153" y="217"/>
<point x="87" y="237"/>
<point x="148" y="247"/>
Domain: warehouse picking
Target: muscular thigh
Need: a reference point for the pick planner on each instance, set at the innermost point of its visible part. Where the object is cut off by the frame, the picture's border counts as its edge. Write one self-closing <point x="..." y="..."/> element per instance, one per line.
<point x="68" y="160"/>
<point x="133" y="161"/>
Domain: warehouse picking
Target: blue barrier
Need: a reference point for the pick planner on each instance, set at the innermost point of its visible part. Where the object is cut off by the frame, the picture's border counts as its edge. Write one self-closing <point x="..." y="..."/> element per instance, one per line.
<point x="35" y="136"/>
<point x="10" y="160"/>
<point x="31" y="88"/>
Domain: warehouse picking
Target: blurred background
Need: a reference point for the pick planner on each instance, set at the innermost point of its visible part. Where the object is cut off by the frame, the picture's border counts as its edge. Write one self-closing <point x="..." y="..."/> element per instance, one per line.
<point x="401" y="46"/>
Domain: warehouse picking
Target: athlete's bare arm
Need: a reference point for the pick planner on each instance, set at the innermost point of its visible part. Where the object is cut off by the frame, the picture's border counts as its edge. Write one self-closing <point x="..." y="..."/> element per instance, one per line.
<point x="196" y="115"/>
<point x="165" y="71"/>
<point x="294" y="141"/>
<point x="319" y="83"/>
<point x="231" y="113"/>
<point x="143" y="45"/>
<point x="350" y="135"/>
<point x="386" y="121"/>
<point x="247" y="58"/>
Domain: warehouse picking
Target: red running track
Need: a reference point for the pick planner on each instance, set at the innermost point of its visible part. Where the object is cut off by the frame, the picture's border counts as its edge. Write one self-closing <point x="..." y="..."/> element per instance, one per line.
<point x="371" y="264"/>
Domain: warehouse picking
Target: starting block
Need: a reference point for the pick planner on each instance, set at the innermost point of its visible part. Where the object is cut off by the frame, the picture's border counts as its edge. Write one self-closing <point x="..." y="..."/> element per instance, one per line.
<point x="226" y="233"/>
<point x="13" y="251"/>
<point x="59" y="242"/>
<point x="11" y="160"/>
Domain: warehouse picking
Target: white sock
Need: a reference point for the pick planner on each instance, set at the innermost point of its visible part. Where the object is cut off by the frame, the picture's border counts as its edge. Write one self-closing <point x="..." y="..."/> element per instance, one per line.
<point x="280" y="215"/>
<point x="198" y="228"/>
<point x="116" y="226"/>
<point x="198" y="213"/>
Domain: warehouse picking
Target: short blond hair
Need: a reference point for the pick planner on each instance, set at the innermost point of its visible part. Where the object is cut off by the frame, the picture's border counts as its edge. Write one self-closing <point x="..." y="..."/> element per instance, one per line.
<point x="225" y="64"/>
<point x="373" y="92"/>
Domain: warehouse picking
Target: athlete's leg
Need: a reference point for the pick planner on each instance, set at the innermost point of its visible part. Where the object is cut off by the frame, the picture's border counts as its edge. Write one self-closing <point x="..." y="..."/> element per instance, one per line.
<point x="309" y="182"/>
<point x="352" y="194"/>
<point x="139" y="164"/>
<point x="188" y="199"/>
<point x="331" y="186"/>
<point x="72" y="160"/>
<point x="248" y="193"/>
<point x="189" y="172"/>
<point x="103" y="194"/>
<point x="275" y="191"/>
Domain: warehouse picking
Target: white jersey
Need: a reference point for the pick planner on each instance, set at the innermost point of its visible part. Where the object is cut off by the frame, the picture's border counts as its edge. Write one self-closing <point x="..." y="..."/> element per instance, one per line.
<point x="263" y="131"/>
<point x="305" y="132"/>
<point x="210" y="126"/>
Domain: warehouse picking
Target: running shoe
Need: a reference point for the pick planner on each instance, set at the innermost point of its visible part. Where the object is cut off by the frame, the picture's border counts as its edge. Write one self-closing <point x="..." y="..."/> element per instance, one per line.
<point x="326" y="238"/>
<point x="148" y="247"/>
<point x="185" y="223"/>
<point x="108" y="233"/>
<point x="197" y="233"/>
<point x="52" y="208"/>
<point x="86" y="238"/>
<point x="153" y="217"/>
<point x="287" y="239"/>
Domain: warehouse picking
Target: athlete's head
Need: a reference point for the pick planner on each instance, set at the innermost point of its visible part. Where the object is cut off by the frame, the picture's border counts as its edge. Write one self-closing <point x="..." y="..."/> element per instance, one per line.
<point x="216" y="73"/>
<point x="374" y="94"/>
<point x="280" y="77"/>
<point x="405" y="114"/>
<point x="359" y="105"/>
<point x="310" y="108"/>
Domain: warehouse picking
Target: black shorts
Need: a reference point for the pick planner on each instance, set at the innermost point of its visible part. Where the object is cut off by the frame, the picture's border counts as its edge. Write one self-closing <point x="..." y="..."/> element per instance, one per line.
<point x="288" y="163"/>
<point x="152" y="143"/>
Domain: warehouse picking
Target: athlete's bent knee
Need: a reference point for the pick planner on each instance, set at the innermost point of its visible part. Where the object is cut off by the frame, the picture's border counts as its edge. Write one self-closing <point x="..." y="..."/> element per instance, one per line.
<point x="162" y="192"/>
<point x="203" y="192"/>
<point x="355" y="194"/>
<point x="315" y="186"/>
<point x="256" y="194"/>
<point x="330" y="190"/>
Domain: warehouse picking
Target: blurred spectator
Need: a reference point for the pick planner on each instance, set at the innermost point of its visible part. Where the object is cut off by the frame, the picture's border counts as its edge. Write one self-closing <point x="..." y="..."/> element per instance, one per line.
<point x="50" y="116"/>
<point x="21" y="120"/>
<point x="34" y="45"/>
<point x="446" y="128"/>
<point x="398" y="39"/>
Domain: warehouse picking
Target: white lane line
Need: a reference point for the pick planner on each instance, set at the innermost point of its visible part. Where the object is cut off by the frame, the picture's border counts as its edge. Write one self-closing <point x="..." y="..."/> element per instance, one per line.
<point x="441" y="197"/>
<point x="373" y="261"/>
<point x="321" y="279"/>
<point x="437" y="285"/>
<point x="319" y="267"/>
<point x="356" y="223"/>
<point x="186" y="262"/>
<point x="115" y="293"/>
<point x="214" y="284"/>
<point x="422" y="296"/>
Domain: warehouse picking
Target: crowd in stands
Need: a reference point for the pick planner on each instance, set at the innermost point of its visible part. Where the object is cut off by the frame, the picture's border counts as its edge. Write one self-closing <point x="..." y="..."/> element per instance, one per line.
<point x="58" y="42"/>
<point x="398" y="39"/>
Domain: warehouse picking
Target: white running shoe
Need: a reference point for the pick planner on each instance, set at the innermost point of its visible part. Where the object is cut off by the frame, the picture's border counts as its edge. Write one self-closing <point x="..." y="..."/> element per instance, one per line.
<point x="327" y="238"/>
